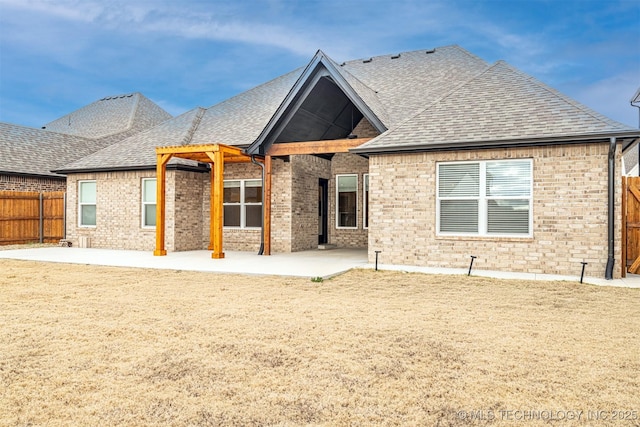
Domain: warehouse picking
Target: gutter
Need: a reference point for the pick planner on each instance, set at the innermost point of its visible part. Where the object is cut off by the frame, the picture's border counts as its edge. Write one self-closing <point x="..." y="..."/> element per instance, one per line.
<point x="179" y="167"/>
<point x="253" y="160"/>
<point x="608" y="274"/>
<point x="507" y="143"/>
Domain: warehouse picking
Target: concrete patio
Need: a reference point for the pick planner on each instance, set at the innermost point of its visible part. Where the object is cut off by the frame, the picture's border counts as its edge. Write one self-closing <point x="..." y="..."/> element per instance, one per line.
<point x="314" y="263"/>
<point x="300" y="264"/>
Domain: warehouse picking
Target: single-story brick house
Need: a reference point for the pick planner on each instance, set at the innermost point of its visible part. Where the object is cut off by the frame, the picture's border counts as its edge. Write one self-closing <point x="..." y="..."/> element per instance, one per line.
<point x="428" y="156"/>
<point x="29" y="155"/>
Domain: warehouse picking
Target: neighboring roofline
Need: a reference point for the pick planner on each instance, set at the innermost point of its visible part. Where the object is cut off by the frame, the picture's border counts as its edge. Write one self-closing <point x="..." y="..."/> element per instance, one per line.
<point x="296" y="91"/>
<point x="505" y="143"/>
<point x="130" y="121"/>
<point x="32" y="175"/>
<point x="178" y="167"/>
<point x="636" y="98"/>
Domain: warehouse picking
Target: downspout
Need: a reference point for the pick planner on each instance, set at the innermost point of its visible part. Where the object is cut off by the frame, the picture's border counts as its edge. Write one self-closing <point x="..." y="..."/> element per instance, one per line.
<point x="253" y="160"/>
<point x="608" y="274"/>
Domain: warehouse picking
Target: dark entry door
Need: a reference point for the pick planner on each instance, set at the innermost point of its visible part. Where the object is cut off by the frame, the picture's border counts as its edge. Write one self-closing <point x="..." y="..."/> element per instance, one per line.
<point x="323" y="210"/>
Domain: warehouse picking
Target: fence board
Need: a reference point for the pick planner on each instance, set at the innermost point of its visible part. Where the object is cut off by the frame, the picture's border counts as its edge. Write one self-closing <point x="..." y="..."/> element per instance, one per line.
<point x="20" y="217"/>
<point x="631" y="225"/>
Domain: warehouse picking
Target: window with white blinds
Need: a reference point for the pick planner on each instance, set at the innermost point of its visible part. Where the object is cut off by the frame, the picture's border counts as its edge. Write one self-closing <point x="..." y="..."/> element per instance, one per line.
<point x="490" y="198"/>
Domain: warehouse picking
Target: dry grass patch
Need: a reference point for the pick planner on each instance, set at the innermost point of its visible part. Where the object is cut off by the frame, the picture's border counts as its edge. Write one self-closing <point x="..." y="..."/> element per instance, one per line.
<point x="86" y="345"/>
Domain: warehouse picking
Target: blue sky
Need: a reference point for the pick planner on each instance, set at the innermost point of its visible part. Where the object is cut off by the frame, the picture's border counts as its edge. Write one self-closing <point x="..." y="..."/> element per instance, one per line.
<point x="59" y="55"/>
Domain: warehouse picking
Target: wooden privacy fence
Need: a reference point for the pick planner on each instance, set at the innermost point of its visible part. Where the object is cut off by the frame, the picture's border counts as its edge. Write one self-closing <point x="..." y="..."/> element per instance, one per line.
<point x="28" y="217"/>
<point x="630" y="225"/>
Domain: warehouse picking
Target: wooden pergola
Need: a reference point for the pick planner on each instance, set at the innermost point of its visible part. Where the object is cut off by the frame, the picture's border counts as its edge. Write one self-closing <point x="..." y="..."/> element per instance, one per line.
<point x="218" y="155"/>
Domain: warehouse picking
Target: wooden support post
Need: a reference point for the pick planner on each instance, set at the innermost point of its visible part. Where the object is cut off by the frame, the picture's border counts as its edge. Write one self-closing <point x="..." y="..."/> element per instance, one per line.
<point x="212" y="230"/>
<point x="161" y="173"/>
<point x="266" y="220"/>
<point x="623" y="239"/>
<point x="217" y="194"/>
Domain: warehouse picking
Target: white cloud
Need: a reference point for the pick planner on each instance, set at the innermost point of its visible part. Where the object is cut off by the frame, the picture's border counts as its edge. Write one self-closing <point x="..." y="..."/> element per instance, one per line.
<point x="70" y="10"/>
<point x="166" y="19"/>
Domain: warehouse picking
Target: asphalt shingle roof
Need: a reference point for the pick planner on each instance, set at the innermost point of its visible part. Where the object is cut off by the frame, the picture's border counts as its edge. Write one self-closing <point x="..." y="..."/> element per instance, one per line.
<point x="236" y="121"/>
<point x="499" y="104"/>
<point x="239" y="120"/>
<point x="139" y="150"/>
<point x="424" y="98"/>
<point x="25" y="150"/>
<point x="32" y="151"/>
<point x="404" y="84"/>
<point x="109" y="116"/>
<point x="392" y="88"/>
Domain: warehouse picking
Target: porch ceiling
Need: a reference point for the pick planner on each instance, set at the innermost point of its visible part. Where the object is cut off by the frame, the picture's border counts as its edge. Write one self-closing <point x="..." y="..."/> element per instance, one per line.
<point x="326" y="113"/>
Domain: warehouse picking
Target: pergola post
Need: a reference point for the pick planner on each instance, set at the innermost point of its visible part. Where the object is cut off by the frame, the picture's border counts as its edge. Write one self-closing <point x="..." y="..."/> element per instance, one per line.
<point x="211" y="208"/>
<point x="217" y="192"/>
<point x="161" y="174"/>
<point x="266" y="221"/>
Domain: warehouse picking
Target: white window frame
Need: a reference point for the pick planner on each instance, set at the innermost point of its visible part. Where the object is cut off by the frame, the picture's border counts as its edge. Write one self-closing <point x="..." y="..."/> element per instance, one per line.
<point x="338" y="226"/>
<point x="365" y="204"/>
<point x="144" y="204"/>
<point x="243" y="205"/>
<point x="483" y="199"/>
<point x="81" y="203"/>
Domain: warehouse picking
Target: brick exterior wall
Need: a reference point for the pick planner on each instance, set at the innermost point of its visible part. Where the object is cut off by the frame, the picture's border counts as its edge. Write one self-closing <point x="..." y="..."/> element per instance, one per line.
<point x="281" y="213"/>
<point x="30" y="183"/>
<point x="294" y="204"/>
<point x="344" y="163"/>
<point x="569" y="213"/>
<point x="306" y="173"/>
<point x="118" y="211"/>
<point x="233" y="239"/>
<point x="188" y="214"/>
<point x="364" y="129"/>
<point x="294" y="211"/>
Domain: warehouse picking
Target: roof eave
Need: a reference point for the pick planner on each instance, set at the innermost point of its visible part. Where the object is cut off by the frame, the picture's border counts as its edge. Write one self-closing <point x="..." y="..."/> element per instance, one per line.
<point x="627" y="137"/>
<point x="33" y="175"/>
<point x="179" y="167"/>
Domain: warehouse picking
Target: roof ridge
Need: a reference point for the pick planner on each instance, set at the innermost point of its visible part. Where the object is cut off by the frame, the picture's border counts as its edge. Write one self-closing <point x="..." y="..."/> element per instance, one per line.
<point x="188" y="137"/>
<point x="594" y="114"/>
<point x="134" y="110"/>
<point x="412" y="51"/>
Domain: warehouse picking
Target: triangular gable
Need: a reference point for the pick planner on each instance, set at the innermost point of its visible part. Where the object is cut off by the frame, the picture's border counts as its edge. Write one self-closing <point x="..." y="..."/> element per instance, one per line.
<point x="323" y="76"/>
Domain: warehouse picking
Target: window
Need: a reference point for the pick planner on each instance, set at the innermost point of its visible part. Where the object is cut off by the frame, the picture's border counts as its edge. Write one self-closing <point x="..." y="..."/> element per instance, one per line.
<point x="243" y="203"/>
<point x="347" y="203"/>
<point x="491" y="198"/>
<point x="365" y="201"/>
<point x="87" y="203"/>
<point x="149" y="202"/>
